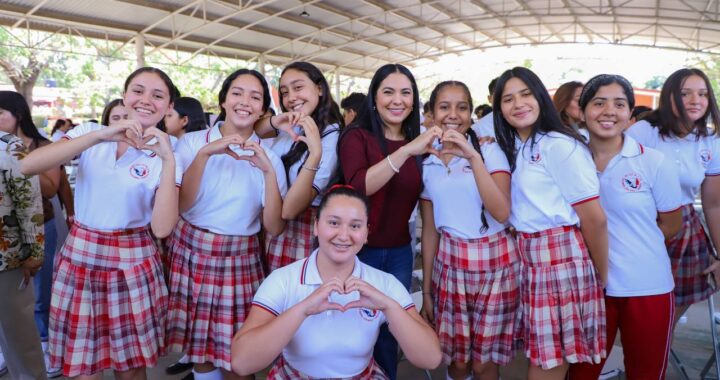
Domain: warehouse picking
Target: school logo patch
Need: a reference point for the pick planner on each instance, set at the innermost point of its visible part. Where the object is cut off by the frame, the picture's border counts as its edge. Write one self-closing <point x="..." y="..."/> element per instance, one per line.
<point x="632" y="182"/>
<point x="705" y="156"/>
<point x="467" y="169"/>
<point x="139" y="171"/>
<point x="535" y="158"/>
<point x="368" y="314"/>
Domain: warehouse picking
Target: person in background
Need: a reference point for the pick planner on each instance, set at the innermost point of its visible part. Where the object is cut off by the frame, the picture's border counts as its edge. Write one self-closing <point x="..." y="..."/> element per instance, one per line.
<point x="638" y="113"/>
<point x="21" y="245"/>
<point x="25" y="129"/>
<point x="566" y="103"/>
<point x="59" y="129"/>
<point x="482" y="110"/>
<point x="114" y="112"/>
<point x="351" y="106"/>
<point x="484" y="126"/>
<point x="186" y="115"/>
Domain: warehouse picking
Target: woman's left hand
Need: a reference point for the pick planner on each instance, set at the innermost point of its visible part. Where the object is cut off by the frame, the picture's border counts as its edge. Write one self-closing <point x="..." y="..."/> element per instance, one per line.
<point x="160" y="145"/>
<point x="370" y="298"/>
<point x="458" y="145"/>
<point x="713" y="269"/>
<point x="258" y="159"/>
<point x="311" y="135"/>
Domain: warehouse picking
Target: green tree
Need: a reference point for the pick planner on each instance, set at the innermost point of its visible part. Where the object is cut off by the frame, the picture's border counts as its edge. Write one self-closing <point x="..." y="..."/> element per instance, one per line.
<point x="655" y="82"/>
<point x="21" y="66"/>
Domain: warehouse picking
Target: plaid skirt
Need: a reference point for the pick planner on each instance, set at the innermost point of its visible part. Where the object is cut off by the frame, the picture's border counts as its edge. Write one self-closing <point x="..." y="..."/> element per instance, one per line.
<point x="476" y="288"/>
<point x="295" y="243"/>
<point x="689" y="253"/>
<point x="562" y="301"/>
<point x="108" y="302"/>
<point x="213" y="279"/>
<point x="281" y="370"/>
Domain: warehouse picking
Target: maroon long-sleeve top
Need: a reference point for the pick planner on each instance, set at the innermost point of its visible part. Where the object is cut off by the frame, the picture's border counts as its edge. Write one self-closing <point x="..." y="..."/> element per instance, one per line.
<point x="391" y="206"/>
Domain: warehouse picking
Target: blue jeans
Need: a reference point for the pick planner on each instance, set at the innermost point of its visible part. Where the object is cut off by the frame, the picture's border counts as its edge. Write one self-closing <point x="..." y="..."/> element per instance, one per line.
<point x="397" y="261"/>
<point x="43" y="282"/>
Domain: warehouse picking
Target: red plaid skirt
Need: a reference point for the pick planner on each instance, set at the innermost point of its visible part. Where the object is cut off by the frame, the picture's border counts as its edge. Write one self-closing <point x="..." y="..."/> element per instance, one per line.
<point x="689" y="254"/>
<point x="562" y="301"/>
<point x="109" y="301"/>
<point x="213" y="278"/>
<point x="282" y="370"/>
<point x="295" y="243"/>
<point x="476" y="286"/>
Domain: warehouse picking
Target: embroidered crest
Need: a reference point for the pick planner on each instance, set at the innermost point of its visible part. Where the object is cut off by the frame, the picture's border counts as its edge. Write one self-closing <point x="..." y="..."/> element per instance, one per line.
<point x="535" y="158"/>
<point x="705" y="156"/>
<point x="139" y="171"/>
<point x="632" y="182"/>
<point x="368" y="314"/>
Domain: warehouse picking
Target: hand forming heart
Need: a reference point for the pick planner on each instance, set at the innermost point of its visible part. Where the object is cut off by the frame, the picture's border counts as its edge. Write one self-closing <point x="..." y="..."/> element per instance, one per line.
<point x="343" y="298"/>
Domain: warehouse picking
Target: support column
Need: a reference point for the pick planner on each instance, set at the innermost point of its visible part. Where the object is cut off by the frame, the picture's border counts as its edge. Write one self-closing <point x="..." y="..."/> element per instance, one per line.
<point x="261" y="64"/>
<point x="337" y="86"/>
<point x="140" y="50"/>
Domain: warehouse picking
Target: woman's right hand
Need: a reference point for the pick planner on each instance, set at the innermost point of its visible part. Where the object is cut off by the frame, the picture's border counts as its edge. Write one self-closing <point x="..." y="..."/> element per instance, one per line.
<point x="424" y="143"/>
<point x="222" y="146"/>
<point x="318" y="301"/>
<point x="427" y="311"/>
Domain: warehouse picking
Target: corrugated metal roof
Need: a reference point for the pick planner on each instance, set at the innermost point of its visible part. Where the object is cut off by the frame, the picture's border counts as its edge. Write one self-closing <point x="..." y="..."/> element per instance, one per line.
<point x="356" y="36"/>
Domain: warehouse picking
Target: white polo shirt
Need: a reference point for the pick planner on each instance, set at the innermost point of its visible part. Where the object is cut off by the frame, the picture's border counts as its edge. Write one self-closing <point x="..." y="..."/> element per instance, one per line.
<point x="636" y="185"/>
<point x="484" y="126"/>
<point x="114" y="194"/>
<point x="331" y="344"/>
<point x="453" y="192"/>
<point x="232" y="192"/>
<point x="549" y="179"/>
<point x="328" y="163"/>
<point x="694" y="158"/>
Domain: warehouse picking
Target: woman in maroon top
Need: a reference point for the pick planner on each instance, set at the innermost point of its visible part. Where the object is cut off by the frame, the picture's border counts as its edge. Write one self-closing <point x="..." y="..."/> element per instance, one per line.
<point x="380" y="155"/>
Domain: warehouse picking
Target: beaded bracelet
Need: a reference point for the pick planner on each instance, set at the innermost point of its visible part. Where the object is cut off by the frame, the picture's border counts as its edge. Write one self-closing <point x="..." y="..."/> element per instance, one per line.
<point x="396" y="170"/>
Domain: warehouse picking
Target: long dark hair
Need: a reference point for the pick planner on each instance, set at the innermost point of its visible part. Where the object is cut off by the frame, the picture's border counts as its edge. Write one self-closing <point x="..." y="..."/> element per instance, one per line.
<point x="226" y="87"/>
<point x="473" y="137"/>
<point x="326" y="113"/>
<point x="105" y="119"/>
<point x="59" y="123"/>
<point x="16" y="104"/>
<point x="192" y="109"/>
<point x="548" y="119"/>
<point x="668" y="123"/>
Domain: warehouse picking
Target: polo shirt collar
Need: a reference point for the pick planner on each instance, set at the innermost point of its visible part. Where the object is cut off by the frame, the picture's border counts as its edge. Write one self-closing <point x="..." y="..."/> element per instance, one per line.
<point x="631" y="148"/>
<point x="214" y="134"/>
<point x="309" y="274"/>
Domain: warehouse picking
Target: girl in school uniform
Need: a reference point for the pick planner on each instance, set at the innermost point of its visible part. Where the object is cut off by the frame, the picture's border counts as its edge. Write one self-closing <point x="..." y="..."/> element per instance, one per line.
<point x="306" y="140"/>
<point x="558" y="218"/>
<point x="640" y="193"/>
<point x="229" y="186"/>
<point x="108" y="297"/>
<point x="679" y="128"/>
<point x="380" y="156"/>
<point x="320" y="316"/>
<point x="471" y="281"/>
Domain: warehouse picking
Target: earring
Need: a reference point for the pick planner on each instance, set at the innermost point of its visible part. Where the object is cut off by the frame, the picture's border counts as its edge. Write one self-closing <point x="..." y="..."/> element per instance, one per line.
<point x="374" y="108"/>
